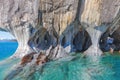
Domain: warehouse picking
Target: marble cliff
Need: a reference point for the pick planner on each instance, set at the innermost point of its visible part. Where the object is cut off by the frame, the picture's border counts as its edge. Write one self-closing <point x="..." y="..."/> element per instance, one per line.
<point x="59" y="27"/>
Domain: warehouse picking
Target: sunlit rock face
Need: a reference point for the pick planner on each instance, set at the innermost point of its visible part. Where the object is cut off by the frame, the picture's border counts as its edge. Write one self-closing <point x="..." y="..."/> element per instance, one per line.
<point x="98" y="12"/>
<point x="19" y="18"/>
<point x="52" y="25"/>
<point x="96" y="17"/>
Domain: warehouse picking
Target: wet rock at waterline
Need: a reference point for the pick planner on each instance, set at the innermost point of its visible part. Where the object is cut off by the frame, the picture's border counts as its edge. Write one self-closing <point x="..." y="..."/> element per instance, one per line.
<point x="39" y="58"/>
<point x="27" y="58"/>
<point x="42" y="58"/>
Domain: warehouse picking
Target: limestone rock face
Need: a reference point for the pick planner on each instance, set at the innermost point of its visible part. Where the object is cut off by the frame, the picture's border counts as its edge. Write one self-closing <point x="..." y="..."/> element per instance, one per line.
<point x="97" y="17"/>
<point x="39" y="24"/>
<point x="98" y="12"/>
<point x="19" y="18"/>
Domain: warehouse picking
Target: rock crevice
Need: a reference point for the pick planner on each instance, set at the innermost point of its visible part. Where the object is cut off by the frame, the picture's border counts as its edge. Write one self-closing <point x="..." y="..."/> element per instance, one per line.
<point x="39" y="24"/>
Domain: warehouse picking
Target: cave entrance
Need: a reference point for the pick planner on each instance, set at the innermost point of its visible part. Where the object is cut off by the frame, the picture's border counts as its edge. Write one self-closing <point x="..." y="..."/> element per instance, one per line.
<point x="8" y="45"/>
<point x="82" y="41"/>
<point x="116" y="41"/>
<point x="79" y="43"/>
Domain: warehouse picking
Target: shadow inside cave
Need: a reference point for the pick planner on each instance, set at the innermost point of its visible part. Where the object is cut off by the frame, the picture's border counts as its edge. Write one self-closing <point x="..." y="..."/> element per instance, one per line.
<point x="116" y="41"/>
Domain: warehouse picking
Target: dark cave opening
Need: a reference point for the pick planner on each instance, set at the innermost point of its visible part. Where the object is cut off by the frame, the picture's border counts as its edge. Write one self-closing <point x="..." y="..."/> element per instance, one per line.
<point x="79" y="43"/>
<point x="82" y="41"/>
<point x="115" y="44"/>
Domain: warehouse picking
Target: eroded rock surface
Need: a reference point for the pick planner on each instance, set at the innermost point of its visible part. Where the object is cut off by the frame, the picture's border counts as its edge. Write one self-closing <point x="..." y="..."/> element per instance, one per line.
<point x="57" y="27"/>
<point x="39" y="24"/>
<point x="27" y="58"/>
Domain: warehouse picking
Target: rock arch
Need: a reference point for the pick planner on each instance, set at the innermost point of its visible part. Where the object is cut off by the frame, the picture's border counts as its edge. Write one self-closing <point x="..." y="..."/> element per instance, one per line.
<point x="25" y="18"/>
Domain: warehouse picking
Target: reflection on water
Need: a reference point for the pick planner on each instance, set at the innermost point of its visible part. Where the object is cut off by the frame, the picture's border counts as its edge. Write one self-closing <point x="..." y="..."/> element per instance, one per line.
<point x="79" y="68"/>
<point x="6" y="66"/>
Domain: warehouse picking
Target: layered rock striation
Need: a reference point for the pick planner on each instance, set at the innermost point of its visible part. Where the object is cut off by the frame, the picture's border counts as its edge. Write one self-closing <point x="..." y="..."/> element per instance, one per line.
<point x="59" y="27"/>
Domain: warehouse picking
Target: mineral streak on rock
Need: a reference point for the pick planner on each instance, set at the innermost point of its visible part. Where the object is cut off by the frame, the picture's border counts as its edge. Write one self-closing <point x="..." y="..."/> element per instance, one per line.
<point x="39" y="24"/>
<point x="42" y="58"/>
<point x="27" y="58"/>
<point x="96" y="15"/>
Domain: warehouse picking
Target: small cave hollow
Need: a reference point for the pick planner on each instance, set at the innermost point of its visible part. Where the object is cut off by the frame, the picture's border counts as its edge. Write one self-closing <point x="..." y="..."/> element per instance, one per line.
<point x="108" y="41"/>
<point x="42" y="43"/>
<point x="81" y="41"/>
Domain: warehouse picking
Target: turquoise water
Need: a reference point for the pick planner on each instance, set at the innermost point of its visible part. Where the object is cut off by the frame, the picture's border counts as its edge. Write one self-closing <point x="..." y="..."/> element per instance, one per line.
<point x="107" y="67"/>
<point x="79" y="68"/>
<point x="6" y="66"/>
<point x="7" y="48"/>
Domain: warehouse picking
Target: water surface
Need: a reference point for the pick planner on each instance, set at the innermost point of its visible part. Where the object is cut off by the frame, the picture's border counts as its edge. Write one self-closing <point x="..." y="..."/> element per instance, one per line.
<point x="7" y="48"/>
<point x="79" y="68"/>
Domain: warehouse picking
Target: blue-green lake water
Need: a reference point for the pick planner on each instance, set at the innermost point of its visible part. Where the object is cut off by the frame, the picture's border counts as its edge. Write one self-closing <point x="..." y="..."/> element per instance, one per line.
<point x="107" y="67"/>
<point x="79" y="68"/>
<point x="7" y="48"/>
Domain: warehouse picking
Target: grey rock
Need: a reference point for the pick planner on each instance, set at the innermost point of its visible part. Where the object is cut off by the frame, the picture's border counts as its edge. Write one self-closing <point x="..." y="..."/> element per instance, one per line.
<point x="61" y="20"/>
